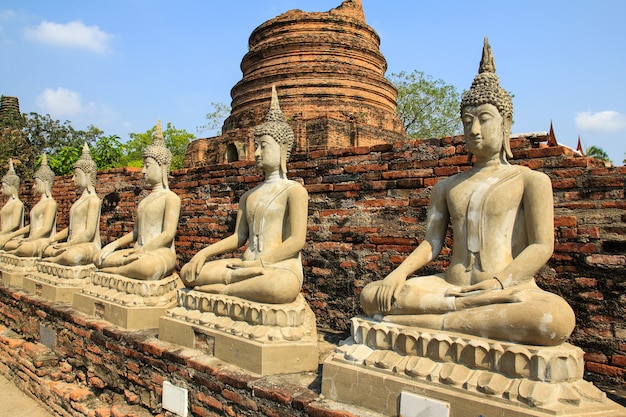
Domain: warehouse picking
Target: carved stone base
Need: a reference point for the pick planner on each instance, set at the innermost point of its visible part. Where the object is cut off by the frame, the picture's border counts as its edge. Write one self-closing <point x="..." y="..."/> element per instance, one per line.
<point x="15" y="268"/>
<point x="126" y="302"/>
<point x="266" y="339"/>
<point x="57" y="282"/>
<point x="476" y="376"/>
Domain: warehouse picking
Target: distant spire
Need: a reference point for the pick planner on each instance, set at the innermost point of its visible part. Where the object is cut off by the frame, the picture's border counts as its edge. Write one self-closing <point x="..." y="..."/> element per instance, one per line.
<point x="579" y="147"/>
<point x="551" y="137"/>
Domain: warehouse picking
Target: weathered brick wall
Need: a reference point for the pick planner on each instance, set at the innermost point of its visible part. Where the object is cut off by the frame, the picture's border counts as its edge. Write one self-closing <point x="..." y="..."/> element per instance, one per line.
<point x="99" y="370"/>
<point x="366" y="213"/>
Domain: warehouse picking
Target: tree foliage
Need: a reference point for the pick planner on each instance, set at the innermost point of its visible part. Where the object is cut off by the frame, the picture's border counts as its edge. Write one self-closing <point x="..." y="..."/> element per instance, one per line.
<point x="26" y="139"/>
<point x="215" y="119"/>
<point x="598" y="153"/>
<point x="427" y="107"/>
<point x="108" y="152"/>
<point x="175" y="139"/>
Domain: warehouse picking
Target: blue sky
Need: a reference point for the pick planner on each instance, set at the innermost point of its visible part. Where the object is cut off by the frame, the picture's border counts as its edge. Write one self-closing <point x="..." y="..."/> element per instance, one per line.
<point x="121" y="65"/>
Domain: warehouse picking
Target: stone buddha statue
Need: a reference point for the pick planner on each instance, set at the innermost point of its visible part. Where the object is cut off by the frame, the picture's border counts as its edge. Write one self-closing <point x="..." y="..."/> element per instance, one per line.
<point x="152" y="257"/>
<point x="42" y="218"/>
<point x="502" y="219"/>
<point x="80" y="241"/>
<point x="12" y="213"/>
<point x="271" y="219"/>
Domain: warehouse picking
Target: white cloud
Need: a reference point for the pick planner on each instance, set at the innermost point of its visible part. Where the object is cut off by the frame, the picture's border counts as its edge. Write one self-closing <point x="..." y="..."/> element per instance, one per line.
<point x="60" y="102"/>
<point x="7" y="14"/>
<point x="73" y="34"/>
<point x="603" y="121"/>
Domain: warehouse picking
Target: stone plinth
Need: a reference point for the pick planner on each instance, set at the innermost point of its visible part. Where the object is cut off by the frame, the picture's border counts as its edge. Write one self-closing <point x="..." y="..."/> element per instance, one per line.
<point x="57" y="282"/>
<point x="262" y="338"/>
<point x="476" y="376"/>
<point x="126" y="302"/>
<point x="15" y="268"/>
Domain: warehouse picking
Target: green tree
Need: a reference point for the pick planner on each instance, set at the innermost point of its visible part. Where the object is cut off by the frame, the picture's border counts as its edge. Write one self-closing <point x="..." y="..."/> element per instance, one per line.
<point x="25" y="140"/>
<point x="107" y="152"/>
<point x="427" y="107"/>
<point x="598" y="153"/>
<point x="175" y="139"/>
<point x="215" y="119"/>
<point x="62" y="162"/>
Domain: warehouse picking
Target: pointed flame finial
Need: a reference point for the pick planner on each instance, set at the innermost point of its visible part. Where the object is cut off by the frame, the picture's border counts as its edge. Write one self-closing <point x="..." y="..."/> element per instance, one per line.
<point x="487" y="62"/>
<point x="11" y="177"/>
<point x="44" y="173"/>
<point x="158" y="135"/>
<point x="275" y="114"/>
<point x="158" y="150"/>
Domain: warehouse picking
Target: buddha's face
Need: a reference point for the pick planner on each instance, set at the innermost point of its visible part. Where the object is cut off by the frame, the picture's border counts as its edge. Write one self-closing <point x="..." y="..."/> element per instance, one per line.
<point x="7" y="190"/>
<point x="80" y="179"/>
<point x="267" y="153"/>
<point x="39" y="186"/>
<point x="482" y="127"/>
<point x="151" y="171"/>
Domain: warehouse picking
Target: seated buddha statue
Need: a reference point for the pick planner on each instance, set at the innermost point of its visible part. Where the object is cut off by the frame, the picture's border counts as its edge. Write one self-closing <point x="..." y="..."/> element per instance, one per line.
<point x="30" y="240"/>
<point x="80" y="241"/>
<point x="152" y="255"/>
<point x="271" y="219"/>
<point x="502" y="220"/>
<point x="12" y="213"/>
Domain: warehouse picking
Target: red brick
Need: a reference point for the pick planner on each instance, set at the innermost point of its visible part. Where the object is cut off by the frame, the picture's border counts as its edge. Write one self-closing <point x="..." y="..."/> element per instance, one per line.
<point x="586" y="282"/>
<point x="608" y="260"/>
<point x="414" y="173"/>
<point x="596" y="357"/>
<point x="210" y="401"/>
<point x="575" y="247"/>
<point x="606" y="370"/>
<point x="568" y="233"/>
<point x="618" y="360"/>
<point x="102" y="412"/>
<point x="317" y="410"/>
<point x="592" y="232"/>
<point x="81" y="394"/>
<point x="564" y="183"/>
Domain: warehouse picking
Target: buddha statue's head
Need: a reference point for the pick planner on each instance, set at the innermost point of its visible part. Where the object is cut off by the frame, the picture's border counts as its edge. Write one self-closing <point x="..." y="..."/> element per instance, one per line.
<point x="159" y="153"/>
<point x="10" y="182"/>
<point x="86" y="167"/>
<point x="44" y="178"/>
<point x="276" y="126"/>
<point x="486" y="89"/>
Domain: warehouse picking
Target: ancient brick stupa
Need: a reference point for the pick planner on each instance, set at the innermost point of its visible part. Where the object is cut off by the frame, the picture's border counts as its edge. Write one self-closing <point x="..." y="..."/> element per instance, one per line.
<point x="10" y="111"/>
<point x="329" y="73"/>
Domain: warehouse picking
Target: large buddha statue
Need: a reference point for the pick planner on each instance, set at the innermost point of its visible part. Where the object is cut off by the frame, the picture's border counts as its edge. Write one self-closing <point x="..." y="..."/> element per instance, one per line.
<point x="30" y="240"/>
<point x="12" y="213"/>
<point x="271" y="219"/>
<point x="80" y="241"/>
<point x="152" y="257"/>
<point x="502" y="222"/>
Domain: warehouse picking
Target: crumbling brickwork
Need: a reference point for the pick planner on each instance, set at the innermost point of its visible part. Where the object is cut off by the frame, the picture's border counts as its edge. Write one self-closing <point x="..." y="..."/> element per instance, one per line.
<point x="330" y="77"/>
